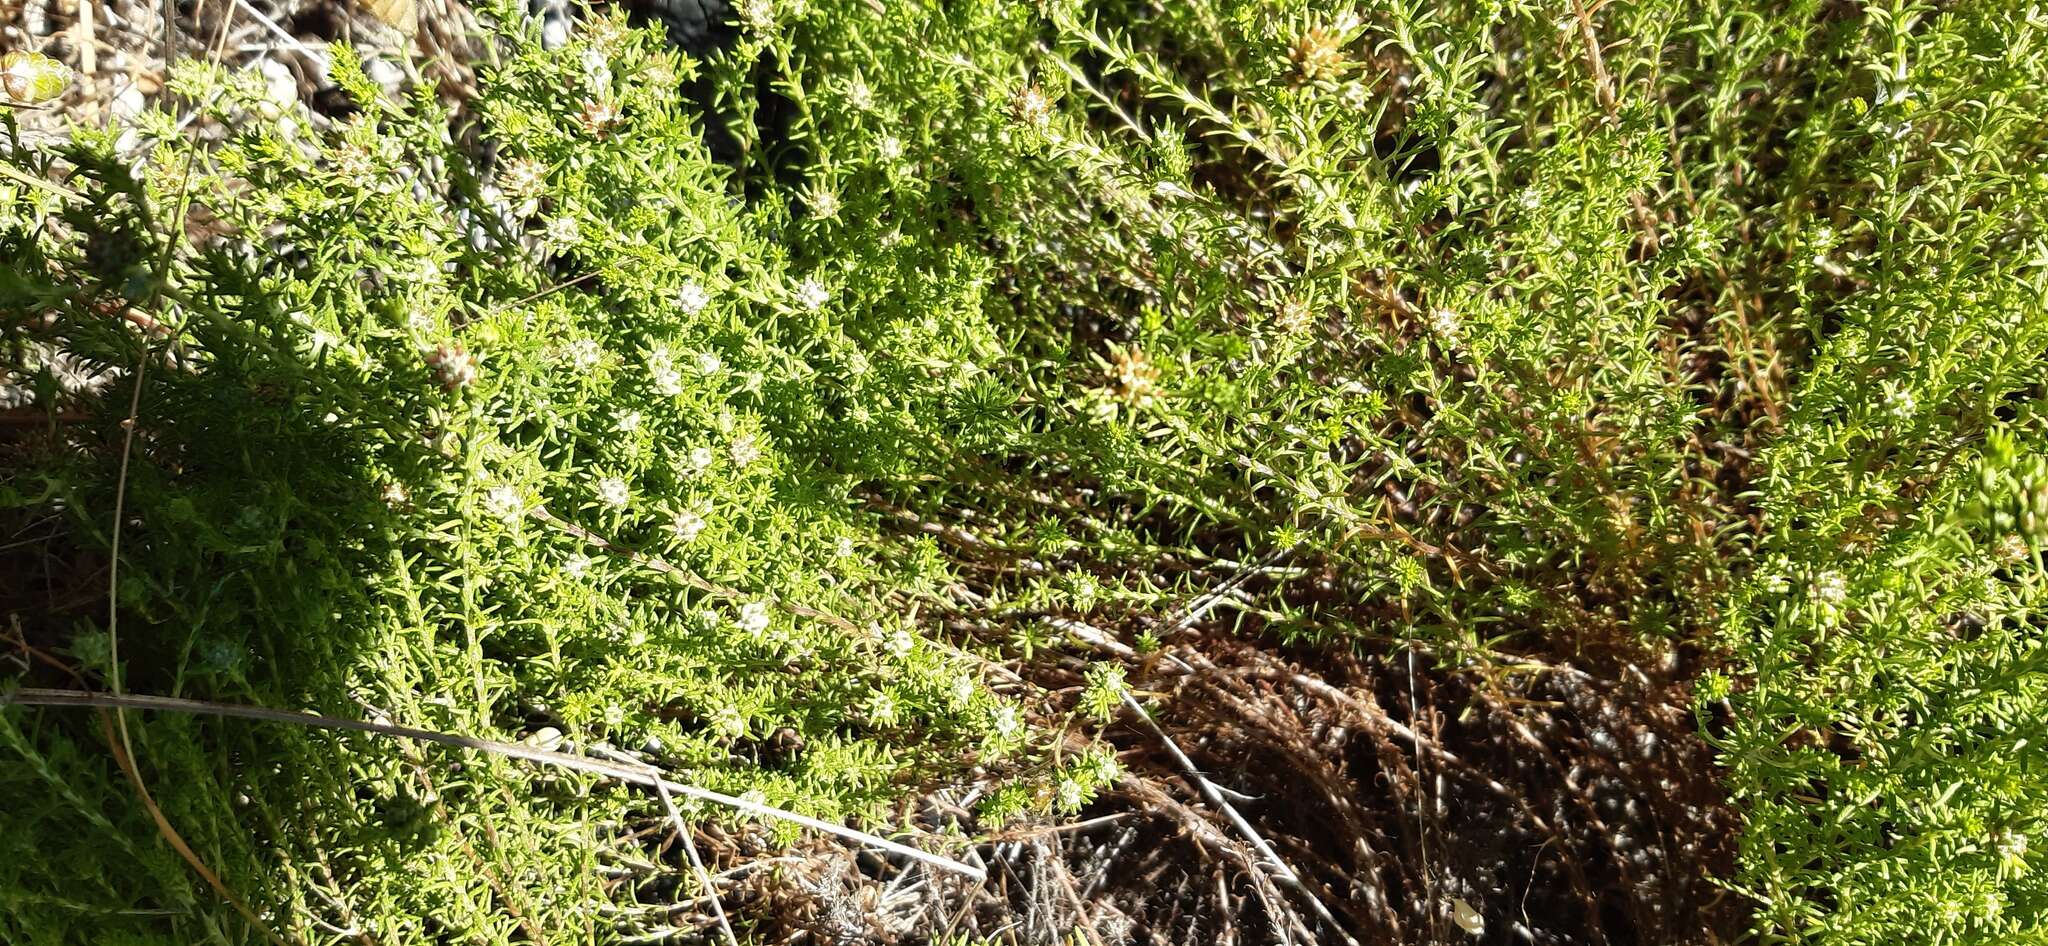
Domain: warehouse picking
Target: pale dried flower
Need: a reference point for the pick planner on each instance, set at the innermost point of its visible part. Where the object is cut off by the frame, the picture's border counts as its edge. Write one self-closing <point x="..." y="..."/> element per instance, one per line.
<point x="453" y="367"/>
<point x="599" y="117"/>
<point x="1133" y="378"/>
<point x="1032" y="108"/>
<point x="525" y="182"/>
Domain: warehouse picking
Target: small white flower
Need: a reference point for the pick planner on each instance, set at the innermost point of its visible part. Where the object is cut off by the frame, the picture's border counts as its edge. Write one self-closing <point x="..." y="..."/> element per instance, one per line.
<point x="859" y="95"/>
<point x="612" y="492"/>
<point x="1070" y="794"/>
<point x="1106" y="769"/>
<point x="583" y="354"/>
<point x="753" y="617"/>
<point x="562" y="232"/>
<point x="727" y="722"/>
<point x="1831" y="590"/>
<point x="745" y="449"/>
<point x="597" y="68"/>
<point x="812" y="294"/>
<point x="2012" y="845"/>
<point x="890" y="148"/>
<point x="688" y="525"/>
<point x="882" y="708"/>
<point x="692" y="298"/>
<point x="1008" y="722"/>
<point x="614" y="716"/>
<point x="844" y="548"/>
<point x="899" y="642"/>
<point x="629" y="422"/>
<point x="395" y="495"/>
<point x="962" y="690"/>
<point x="524" y="181"/>
<point x="661" y="371"/>
<point x="504" y="501"/>
<point x="759" y="14"/>
<point x="1446" y="323"/>
<point x="708" y="363"/>
<point x="1901" y="402"/>
<point x="598" y="117"/>
<point x="824" y="206"/>
<point x="699" y="460"/>
<point x="577" y="565"/>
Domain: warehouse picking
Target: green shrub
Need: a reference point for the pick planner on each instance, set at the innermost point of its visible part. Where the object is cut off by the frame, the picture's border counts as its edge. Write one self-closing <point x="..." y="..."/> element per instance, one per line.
<point x="568" y="438"/>
<point x="1515" y="327"/>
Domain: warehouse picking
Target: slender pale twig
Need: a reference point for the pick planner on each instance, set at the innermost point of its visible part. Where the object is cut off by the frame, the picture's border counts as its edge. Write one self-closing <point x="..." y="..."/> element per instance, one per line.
<point x="682" y="829"/>
<point x="1214" y="797"/>
<point x="637" y="775"/>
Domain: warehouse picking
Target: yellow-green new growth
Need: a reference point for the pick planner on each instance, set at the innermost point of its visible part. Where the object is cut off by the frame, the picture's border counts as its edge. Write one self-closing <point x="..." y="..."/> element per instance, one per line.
<point x="32" y="78"/>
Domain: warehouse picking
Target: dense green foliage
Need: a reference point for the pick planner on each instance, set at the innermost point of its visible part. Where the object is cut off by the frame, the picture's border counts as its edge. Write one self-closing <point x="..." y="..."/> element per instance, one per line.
<point x="1518" y="328"/>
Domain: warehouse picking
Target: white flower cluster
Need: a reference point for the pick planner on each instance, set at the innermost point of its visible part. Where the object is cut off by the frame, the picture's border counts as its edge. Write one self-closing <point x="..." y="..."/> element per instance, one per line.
<point x="692" y="298"/>
<point x="882" y="708"/>
<point x="753" y="618"/>
<point x="613" y="492"/>
<point x="524" y="182"/>
<point x="1032" y="108"/>
<point x="812" y="294"/>
<point x="662" y="373"/>
<point x="1008" y="722"/>
<point x="583" y="354"/>
<point x="1446" y="323"/>
<point x="504" y="501"/>
<point x="577" y="565"/>
<point x="698" y="461"/>
<point x="824" y="206"/>
<point x="1830" y="591"/>
<point x="688" y="525"/>
<point x="745" y="449"/>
